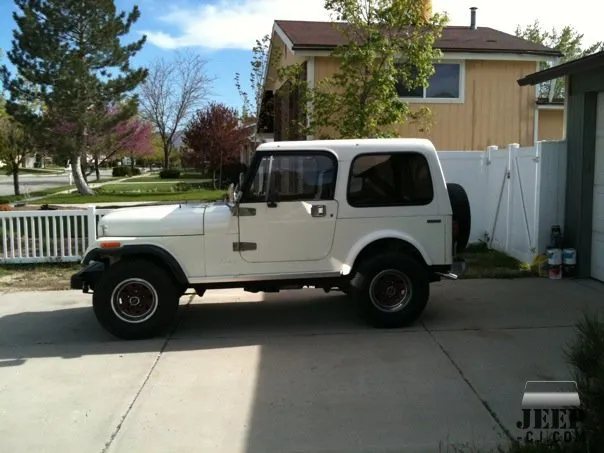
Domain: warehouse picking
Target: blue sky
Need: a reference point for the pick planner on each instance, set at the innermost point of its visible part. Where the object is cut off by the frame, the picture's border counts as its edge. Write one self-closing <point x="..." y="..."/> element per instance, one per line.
<point x="224" y="31"/>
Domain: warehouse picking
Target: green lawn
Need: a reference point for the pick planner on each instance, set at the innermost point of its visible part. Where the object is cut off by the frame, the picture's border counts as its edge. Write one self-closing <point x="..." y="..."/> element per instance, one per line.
<point x="129" y="186"/>
<point x="483" y="262"/>
<point x="188" y="176"/>
<point x="109" y="197"/>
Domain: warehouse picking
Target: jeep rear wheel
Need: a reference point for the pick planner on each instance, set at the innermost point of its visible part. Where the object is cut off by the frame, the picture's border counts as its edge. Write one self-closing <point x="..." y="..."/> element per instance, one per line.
<point x="135" y="299"/>
<point x="391" y="290"/>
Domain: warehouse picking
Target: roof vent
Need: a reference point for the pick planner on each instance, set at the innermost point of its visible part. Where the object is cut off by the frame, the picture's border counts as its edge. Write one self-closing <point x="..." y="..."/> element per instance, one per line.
<point x="473" y="17"/>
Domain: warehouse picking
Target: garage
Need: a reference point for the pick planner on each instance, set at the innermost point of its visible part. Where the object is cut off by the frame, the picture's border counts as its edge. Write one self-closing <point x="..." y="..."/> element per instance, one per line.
<point x="584" y="131"/>
<point x="597" y="248"/>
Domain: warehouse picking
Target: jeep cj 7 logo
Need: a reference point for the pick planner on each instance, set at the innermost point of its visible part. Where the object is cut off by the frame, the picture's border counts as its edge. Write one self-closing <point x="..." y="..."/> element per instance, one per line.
<point x="551" y="410"/>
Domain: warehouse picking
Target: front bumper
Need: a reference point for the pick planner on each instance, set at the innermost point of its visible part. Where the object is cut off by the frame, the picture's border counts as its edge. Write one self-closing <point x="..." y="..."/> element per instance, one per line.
<point x="86" y="277"/>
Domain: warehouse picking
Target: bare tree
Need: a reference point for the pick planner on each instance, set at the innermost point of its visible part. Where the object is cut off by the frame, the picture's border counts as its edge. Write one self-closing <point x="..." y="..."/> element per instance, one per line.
<point x="172" y="91"/>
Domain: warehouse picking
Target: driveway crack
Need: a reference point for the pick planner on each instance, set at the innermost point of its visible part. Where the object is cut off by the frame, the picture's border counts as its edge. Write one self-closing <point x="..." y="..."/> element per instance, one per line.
<point x="147" y="377"/>
<point x="484" y="403"/>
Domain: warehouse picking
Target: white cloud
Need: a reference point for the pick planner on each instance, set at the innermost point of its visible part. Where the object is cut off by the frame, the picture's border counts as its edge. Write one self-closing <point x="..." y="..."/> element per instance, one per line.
<point x="232" y="24"/>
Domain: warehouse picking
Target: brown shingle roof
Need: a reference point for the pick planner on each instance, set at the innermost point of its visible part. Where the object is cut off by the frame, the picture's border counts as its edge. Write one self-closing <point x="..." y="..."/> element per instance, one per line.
<point x="323" y="35"/>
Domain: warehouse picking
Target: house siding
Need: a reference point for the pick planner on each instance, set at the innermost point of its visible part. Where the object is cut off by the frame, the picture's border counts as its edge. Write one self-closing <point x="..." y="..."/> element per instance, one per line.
<point x="286" y="58"/>
<point x="495" y="111"/>
<point x="551" y="125"/>
<point x="581" y="141"/>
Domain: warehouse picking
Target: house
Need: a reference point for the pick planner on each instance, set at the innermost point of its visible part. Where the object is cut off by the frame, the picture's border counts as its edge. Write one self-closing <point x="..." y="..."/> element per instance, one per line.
<point x="473" y="94"/>
<point x="584" y="127"/>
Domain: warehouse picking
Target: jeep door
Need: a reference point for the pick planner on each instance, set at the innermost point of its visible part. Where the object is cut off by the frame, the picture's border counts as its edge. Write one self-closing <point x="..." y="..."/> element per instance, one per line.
<point x="287" y="211"/>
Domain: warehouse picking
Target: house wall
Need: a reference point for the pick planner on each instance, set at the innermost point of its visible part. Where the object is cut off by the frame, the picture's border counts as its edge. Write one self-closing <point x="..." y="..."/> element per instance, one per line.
<point x="581" y="138"/>
<point x="551" y="124"/>
<point x="495" y="111"/>
<point x="286" y="58"/>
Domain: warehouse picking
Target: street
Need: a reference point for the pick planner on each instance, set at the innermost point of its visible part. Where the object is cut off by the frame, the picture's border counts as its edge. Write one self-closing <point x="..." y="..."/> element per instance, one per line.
<point x="288" y="372"/>
<point x="32" y="183"/>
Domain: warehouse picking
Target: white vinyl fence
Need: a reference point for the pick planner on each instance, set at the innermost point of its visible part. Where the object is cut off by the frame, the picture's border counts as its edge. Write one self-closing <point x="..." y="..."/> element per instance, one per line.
<point x="515" y="194"/>
<point x="47" y="236"/>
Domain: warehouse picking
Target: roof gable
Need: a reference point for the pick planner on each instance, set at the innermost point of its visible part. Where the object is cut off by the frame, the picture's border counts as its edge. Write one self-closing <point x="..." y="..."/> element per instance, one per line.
<point x="306" y="35"/>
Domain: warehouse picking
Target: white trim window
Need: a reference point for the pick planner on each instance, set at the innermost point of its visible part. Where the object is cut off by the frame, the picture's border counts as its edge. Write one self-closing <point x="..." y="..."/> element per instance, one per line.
<point x="445" y="86"/>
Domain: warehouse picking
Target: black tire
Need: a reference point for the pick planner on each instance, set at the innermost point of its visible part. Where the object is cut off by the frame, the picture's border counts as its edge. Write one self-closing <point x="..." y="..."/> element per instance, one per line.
<point x="155" y="291"/>
<point x="460" y="205"/>
<point x="408" y="271"/>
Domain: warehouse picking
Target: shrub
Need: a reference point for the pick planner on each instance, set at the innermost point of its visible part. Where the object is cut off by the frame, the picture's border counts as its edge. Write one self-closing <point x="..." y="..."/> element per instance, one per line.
<point x="120" y="171"/>
<point x="169" y="173"/>
<point x="188" y="186"/>
<point x="586" y="356"/>
<point x="123" y="171"/>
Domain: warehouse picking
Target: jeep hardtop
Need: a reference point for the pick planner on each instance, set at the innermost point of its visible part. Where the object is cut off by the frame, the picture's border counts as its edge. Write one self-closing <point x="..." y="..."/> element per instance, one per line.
<point x="373" y="218"/>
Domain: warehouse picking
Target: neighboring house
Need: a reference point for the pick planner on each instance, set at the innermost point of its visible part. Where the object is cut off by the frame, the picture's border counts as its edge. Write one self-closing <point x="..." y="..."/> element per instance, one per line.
<point x="473" y="94"/>
<point x="584" y="199"/>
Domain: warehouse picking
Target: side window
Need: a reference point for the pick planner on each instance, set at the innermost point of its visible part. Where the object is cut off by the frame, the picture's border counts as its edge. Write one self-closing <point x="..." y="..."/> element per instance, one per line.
<point x="259" y="186"/>
<point x="392" y="179"/>
<point x="294" y="177"/>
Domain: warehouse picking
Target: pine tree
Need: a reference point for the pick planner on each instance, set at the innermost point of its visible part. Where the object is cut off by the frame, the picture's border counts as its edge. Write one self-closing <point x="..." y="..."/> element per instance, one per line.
<point x="70" y="51"/>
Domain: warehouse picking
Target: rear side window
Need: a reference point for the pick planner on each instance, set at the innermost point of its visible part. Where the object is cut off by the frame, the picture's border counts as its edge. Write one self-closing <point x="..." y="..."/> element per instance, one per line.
<point x="390" y="179"/>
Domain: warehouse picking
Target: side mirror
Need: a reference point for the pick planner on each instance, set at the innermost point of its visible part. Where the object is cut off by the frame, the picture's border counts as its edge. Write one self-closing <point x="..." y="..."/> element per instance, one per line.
<point x="232" y="193"/>
<point x="272" y="199"/>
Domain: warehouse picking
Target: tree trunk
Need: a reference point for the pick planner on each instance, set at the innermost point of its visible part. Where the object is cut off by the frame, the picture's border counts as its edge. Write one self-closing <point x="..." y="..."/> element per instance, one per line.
<point x="83" y="170"/>
<point x="132" y="163"/>
<point x="78" y="175"/>
<point x="96" y="169"/>
<point x="16" y="179"/>
<point x="166" y="157"/>
<point x="214" y="178"/>
<point x="220" y="177"/>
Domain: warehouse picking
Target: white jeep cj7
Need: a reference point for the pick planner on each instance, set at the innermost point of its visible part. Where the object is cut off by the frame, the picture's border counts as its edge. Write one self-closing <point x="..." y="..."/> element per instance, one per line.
<point x="372" y="218"/>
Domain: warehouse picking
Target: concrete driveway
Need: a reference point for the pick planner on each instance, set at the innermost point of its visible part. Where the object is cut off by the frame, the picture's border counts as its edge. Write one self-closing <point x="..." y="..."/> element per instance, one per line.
<point x="296" y="373"/>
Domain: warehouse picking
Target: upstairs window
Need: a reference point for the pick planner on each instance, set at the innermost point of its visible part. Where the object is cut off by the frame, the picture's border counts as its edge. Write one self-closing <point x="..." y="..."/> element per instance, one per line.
<point x="445" y="84"/>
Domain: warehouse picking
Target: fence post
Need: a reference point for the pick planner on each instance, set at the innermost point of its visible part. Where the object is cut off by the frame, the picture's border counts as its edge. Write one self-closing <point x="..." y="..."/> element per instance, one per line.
<point x="487" y="206"/>
<point x="490" y="149"/>
<point x="537" y="201"/>
<point x="91" y="214"/>
<point x="512" y="149"/>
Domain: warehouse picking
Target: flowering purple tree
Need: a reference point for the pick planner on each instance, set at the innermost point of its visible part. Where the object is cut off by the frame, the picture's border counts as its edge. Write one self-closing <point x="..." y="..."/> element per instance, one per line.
<point x="109" y="135"/>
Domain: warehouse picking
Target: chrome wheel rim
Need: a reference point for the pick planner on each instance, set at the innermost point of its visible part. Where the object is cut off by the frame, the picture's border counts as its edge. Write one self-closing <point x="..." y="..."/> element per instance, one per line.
<point x="390" y="290"/>
<point x="134" y="300"/>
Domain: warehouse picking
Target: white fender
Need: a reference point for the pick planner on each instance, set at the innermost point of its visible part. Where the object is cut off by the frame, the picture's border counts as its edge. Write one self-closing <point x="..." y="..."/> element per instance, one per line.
<point x="375" y="236"/>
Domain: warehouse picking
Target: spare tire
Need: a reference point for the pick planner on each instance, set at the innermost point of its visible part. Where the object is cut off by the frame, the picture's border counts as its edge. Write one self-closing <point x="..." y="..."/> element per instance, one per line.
<point x="462" y="218"/>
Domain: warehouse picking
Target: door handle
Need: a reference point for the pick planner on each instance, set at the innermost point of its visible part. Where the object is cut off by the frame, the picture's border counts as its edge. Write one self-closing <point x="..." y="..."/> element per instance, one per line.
<point x="318" y="210"/>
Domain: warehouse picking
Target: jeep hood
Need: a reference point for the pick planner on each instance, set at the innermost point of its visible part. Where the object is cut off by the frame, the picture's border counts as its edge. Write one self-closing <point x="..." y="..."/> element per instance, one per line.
<point x="161" y="220"/>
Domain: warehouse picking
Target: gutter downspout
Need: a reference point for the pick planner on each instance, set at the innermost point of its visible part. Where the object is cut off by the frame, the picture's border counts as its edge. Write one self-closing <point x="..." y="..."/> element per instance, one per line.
<point x="536" y="116"/>
<point x="536" y="127"/>
<point x="310" y="80"/>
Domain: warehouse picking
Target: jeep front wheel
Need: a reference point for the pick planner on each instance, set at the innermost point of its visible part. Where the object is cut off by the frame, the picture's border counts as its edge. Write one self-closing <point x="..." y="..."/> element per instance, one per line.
<point x="391" y="290"/>
<point x="135" y="299"/>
